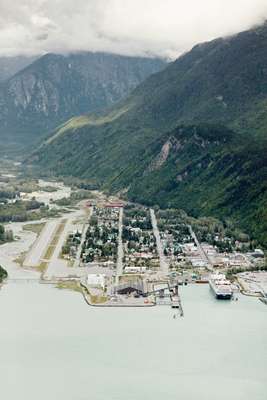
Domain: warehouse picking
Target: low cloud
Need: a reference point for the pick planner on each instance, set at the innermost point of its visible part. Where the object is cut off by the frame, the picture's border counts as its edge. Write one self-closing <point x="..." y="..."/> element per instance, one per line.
<point x="164" y="28"/>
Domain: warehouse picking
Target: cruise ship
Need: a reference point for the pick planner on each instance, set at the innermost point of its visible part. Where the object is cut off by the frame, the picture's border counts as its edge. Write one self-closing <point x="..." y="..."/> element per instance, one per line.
<point x="221" y="287"/>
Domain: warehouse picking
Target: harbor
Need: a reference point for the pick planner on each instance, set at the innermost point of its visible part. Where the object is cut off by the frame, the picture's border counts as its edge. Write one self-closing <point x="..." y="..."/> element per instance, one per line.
<point x="124" y="255"/>
<point x="128" y="283"/>
<point x="82" y="344"/>
<point x="133" y="200"/>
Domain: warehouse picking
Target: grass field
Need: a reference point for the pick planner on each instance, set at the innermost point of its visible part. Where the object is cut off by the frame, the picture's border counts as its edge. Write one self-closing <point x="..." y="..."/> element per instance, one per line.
<point x="36" y="228"/>
<point x="70" y="285"/>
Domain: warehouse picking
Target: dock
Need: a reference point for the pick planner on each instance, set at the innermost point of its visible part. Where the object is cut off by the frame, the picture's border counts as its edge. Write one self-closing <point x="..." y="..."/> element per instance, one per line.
<point x="168" y="295"/>
<point x="176" y="302"/>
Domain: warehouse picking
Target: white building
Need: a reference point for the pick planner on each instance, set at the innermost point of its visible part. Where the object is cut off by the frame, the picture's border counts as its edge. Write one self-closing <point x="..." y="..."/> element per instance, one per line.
<point x="258" y="253"/>
<point x="96" y="280"/>
<point x="134" y="270"/>
<point x="189" y="248"/>
<point x="198" y="263"/>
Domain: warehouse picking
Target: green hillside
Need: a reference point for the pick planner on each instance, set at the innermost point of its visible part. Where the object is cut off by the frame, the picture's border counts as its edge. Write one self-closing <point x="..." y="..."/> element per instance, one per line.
<point x="191" y="136"/>
<point x="217" y="175"/>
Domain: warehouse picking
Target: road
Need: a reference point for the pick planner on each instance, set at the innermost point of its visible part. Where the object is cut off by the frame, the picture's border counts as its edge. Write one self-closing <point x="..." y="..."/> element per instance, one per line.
<point x="164" y="267"/>
<point x="200" y="249"/>
<point x="34" y="257"/>
<point x="119" y="270"/>
<point x="79" y="251"/>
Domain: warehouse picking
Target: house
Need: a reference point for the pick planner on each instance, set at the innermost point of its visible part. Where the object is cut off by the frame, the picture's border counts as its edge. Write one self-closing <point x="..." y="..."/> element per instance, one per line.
<point x="197" y="262"/>
<point x="258" y="253"/>
<point x="189" y="248"/>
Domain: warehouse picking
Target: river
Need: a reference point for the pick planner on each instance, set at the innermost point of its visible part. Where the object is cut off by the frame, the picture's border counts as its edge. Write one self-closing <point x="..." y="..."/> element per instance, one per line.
<point x="54" y="346"/>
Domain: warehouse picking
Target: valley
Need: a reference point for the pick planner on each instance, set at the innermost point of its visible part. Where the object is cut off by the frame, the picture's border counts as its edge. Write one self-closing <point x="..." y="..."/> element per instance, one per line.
<point x="192" y="136"/>
<point x="118" y="253"/>
<point x="106" y="265"/>
<point x="166" y="184"/>
<point x="133" y="200"/>
<point x="175" y="136"/>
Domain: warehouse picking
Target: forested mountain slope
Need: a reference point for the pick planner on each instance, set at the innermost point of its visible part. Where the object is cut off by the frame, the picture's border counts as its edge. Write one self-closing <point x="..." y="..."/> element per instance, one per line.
<point x="192" y="135"/>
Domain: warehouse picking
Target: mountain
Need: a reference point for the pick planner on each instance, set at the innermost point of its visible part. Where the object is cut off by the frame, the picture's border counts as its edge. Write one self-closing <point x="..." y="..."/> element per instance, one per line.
<point x="9" y="66"/>
<point x="56" y="87"/>
<point x="191" y="136"/>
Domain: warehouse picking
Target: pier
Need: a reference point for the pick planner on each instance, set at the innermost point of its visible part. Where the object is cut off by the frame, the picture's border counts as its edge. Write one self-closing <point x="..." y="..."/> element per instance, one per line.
<point x="168" y="295"/>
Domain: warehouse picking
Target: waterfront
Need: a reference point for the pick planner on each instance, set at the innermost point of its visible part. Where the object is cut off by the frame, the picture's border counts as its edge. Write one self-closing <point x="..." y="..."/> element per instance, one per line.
<point x="53" y="346"/>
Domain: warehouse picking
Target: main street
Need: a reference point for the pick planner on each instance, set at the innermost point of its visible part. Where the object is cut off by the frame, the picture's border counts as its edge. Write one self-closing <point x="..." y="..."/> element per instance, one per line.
<point x="164" y="267"/>
<point x="119" y="270"/>
<point x="83" y="237"/>
<point x="200" y="249"/>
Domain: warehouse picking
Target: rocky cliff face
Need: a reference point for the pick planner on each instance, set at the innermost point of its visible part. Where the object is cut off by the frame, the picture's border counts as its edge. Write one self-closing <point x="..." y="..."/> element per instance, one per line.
<point x="9" y="66"/>
<point x="56" y="87"/>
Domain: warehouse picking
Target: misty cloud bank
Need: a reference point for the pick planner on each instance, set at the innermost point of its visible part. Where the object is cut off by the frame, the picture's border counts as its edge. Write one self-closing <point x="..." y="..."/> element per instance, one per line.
<point x="133" y="27"/>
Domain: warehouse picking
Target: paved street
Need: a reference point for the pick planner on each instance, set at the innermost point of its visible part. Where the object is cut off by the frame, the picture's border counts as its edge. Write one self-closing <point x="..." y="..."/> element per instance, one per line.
<point x="120" y="248"/>
<point x="200" y="249"/>
<point x="162" y="259"/>
<point x="79" y="251"/>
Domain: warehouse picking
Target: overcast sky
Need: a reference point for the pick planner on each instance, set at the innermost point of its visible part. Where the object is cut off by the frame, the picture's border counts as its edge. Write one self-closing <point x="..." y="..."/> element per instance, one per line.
<point x="133" y="27"/>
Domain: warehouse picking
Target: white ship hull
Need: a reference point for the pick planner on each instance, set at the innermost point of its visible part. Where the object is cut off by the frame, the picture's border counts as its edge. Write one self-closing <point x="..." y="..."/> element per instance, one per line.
<point x="221" y="292"/>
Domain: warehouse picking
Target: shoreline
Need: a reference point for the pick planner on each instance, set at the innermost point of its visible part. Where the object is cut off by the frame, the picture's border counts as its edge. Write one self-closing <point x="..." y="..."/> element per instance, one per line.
<point x="86" y="296"/>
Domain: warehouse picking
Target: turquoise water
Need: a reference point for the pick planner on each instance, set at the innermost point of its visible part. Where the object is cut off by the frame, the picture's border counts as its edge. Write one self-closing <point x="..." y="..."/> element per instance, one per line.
<point x="54" y="346"/>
